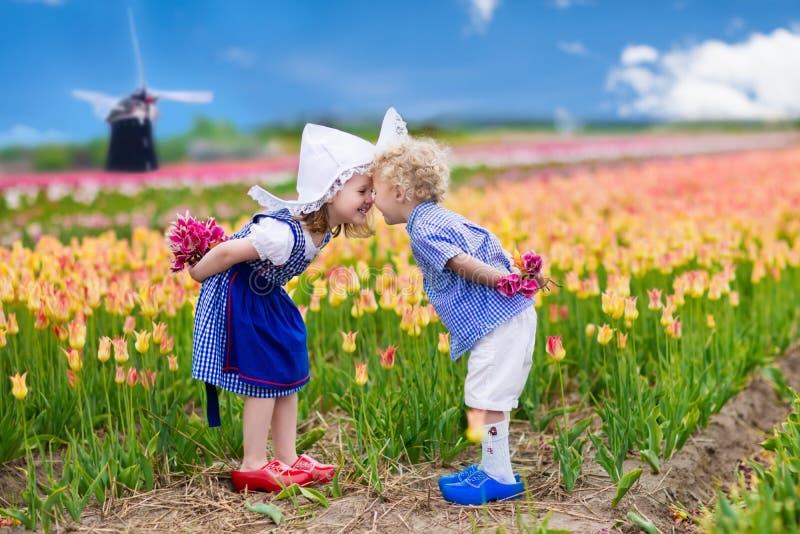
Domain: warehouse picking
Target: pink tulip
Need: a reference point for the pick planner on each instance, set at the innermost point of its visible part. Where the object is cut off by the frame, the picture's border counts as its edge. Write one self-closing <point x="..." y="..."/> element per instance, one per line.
<point x="555" y="348"/>
<point x="528" y="287"/>
<point x="387" y="356"/>
<point x="532" y="263"/>
<point x="509" y="285"/>
<point x="189" y="240"/>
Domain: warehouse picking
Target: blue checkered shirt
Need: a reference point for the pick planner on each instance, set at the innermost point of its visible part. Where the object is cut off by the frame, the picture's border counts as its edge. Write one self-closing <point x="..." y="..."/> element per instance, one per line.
<point x="469" y="310"/>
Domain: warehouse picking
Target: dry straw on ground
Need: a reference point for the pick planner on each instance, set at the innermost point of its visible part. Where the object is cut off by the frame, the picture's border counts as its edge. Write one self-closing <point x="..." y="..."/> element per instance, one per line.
<point x="410" y="500"/>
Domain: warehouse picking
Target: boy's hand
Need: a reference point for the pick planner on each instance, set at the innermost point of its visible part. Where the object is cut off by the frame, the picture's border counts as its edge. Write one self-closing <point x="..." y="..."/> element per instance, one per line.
<point x="540" y="279"/>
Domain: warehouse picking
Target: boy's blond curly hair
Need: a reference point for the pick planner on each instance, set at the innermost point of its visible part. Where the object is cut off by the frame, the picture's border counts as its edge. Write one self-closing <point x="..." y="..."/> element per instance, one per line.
<point x="417" y="166"/>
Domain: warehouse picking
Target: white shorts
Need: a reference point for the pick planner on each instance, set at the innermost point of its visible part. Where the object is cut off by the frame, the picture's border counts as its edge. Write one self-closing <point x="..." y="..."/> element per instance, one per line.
<point x="499" y="364"/>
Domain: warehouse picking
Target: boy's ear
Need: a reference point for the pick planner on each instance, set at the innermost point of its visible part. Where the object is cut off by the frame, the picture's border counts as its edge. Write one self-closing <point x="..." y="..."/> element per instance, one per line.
<point x="399" y="195"/>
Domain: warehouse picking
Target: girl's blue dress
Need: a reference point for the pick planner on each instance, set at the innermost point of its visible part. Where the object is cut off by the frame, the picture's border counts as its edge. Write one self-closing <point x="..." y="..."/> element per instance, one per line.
<point x="249" y="336"/>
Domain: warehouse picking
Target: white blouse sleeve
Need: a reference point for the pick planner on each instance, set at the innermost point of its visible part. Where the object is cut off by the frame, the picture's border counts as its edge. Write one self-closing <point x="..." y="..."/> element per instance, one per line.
<point x="272" y="239"/>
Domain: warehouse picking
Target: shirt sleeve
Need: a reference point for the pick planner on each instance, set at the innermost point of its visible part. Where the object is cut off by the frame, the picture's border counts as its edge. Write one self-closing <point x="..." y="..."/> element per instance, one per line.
<point x="436" y="246"/>
<point x="272" y="239"/>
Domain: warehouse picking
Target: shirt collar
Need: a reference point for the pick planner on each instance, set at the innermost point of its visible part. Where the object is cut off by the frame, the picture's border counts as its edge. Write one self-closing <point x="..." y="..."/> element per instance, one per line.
<point x="417" y="209"/>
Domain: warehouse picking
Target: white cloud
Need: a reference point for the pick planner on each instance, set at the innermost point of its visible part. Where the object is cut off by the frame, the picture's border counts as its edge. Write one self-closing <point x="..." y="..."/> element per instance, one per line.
<point x="572" y="47"/>
<point x="755" y="79"/>
<point x="21" y="134"/>
<point x="735" y="25"/>
<point x="481" y="13"/>
<point x="795" y="26"/>
<point x="239" y="56"/>
<point x="635" y="54"/>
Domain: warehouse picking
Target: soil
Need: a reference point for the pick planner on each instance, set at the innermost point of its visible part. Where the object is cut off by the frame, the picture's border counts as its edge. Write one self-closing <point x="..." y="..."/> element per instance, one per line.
<point x="411" y="501"/>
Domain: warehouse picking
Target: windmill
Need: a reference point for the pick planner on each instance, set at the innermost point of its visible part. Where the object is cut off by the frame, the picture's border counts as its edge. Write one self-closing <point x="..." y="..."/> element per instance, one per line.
<point x="131" y="147"/>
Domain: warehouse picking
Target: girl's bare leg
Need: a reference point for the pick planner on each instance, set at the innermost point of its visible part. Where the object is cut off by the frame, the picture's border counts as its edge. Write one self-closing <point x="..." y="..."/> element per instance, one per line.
<point x="255" y="430"/>
<point x="284" y="428"/>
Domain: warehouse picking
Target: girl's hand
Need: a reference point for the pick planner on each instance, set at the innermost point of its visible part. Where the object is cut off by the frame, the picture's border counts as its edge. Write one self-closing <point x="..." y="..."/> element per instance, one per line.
<point x="191" y="270"/>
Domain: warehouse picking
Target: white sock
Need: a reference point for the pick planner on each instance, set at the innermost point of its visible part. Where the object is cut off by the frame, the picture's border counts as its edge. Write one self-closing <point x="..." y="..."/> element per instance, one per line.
<point x="495" y="457"/>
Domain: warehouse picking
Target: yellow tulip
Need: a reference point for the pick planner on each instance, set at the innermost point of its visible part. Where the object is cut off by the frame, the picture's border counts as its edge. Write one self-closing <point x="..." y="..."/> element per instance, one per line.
<point x="710" y="322"/>
<point x="444" y="342"/>
<point x="73" y="358"/>
<point x="590" y="330"/>
<point x="604" y="334"/>
<point x="613" y="305"/>
<point x="13" y="327"/>
<point x="361" y="373"/>
<point x="142" y="341"/>
<point x="320" y="289"/>
<point x="77" y="333"/>
<point x="173" y="363"/>
<point x="159" y="331"/>
<point x="387" y="300"/>
<point x="622" y="340"/>
<point x="120" y="349"/>
<point x="18" y="387"/>
<point x="337" y="295"/>
<point x="421" y="316"/>
<point x="104" y="349"/>
<point x="674" y="329"/>
<point x="61" y="332"/>
<point x="631" y="312"/>
<point x="476" y="429"/>
<point x="362" y="269"/>
<point x="356" y="311"/>
<point x="367" y="301"/>
<point x="666" y="316"/>
<point x="349" y="341"/>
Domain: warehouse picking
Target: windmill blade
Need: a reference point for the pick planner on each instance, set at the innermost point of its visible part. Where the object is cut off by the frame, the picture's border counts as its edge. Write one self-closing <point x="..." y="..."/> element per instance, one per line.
<point x="136" y="50"/>
<point x="190" y="97"/>
<point x="101" y="103"/>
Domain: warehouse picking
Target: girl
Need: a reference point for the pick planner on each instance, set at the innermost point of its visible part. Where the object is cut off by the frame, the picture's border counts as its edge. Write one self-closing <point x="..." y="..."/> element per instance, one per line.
<point x="249" y="337"/>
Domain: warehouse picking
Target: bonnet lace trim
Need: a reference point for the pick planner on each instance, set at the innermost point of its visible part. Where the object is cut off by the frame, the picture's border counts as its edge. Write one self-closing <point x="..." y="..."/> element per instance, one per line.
<point x="272" y="202"/>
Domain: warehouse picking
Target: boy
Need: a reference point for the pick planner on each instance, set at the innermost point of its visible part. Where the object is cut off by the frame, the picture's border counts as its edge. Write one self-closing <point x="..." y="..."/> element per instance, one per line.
<point x="461" y="264"/>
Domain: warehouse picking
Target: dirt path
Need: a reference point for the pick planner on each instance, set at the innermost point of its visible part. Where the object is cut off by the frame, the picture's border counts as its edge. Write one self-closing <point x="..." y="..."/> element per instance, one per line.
<point x="411" y="502"/>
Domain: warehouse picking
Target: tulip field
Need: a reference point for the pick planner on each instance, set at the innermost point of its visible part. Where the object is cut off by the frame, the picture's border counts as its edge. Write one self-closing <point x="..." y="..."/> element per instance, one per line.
<point x="679" y="280"/>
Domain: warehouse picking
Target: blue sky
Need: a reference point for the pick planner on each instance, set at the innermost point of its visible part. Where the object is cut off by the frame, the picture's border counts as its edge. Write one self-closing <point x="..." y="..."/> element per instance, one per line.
<point x="292" y="60"/>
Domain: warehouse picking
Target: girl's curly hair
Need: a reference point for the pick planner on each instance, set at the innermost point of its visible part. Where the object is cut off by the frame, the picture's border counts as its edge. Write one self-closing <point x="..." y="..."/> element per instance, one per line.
<point x="417" y="166"/>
